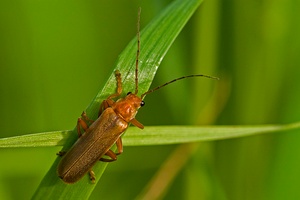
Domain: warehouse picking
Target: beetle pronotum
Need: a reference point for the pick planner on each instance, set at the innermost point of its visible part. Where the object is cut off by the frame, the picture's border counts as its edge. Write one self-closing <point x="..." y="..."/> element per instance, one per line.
<point x="106" y="130"/>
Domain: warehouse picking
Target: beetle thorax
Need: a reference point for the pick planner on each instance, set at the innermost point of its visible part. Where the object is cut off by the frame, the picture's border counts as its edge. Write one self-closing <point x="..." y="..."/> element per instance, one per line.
<point x="127" y="107"/>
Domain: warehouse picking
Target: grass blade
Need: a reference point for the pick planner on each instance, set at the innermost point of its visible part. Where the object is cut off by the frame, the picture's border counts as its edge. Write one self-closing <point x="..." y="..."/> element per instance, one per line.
<point x="153" y="135"/>
<point x="47" y="139"/>
<point x="162" y="135"/>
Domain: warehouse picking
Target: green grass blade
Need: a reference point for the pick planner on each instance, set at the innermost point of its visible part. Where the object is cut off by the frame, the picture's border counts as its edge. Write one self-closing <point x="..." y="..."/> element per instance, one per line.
<point x="156" y="39"/>
<point x="153" y="135"/>
<point x="47" y="139"/>
<point x="162" y="135"/>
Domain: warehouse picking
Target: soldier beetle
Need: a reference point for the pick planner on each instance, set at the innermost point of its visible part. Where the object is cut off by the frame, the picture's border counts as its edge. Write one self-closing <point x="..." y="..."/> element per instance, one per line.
<point x="113" y="120"/>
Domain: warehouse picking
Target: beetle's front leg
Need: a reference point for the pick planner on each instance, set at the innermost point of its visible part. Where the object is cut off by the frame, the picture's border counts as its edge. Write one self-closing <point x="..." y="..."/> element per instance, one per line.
<point x="108" y="102"/>
<point x="119" y="85"/>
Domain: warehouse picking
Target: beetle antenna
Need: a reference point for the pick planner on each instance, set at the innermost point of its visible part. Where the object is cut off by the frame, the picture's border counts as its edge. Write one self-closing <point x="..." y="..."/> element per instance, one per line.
<point x="177" y="79"/>
<point x="137" y="53"/>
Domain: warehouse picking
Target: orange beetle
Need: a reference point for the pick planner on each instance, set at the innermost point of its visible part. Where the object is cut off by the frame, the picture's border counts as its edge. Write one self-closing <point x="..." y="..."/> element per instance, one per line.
<point x="106" y="130"/>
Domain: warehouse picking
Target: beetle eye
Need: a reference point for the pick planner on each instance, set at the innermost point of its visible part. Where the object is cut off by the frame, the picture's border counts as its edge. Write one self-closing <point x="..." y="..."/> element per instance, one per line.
<point x="129" y="93"/>
<point x="142" y="103"/>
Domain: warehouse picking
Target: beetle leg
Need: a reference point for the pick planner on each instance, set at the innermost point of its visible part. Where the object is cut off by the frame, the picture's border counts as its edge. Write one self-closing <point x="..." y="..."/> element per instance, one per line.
<point x="119" y="146"/>
<point x="61" y="153"/>
<point x="110" y="154"/>
<point x="109" y="102"/>
<point x="83" y="124"/>
<point x="86" y="118"/>
<point x="119" y="85"/>
<point x="137" y="123"/>
<point x="105" y="104"/>
<point x="92" y="176"/>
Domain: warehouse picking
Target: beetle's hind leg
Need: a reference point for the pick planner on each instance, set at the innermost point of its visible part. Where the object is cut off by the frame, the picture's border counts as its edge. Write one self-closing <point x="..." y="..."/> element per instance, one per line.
<point x="112" y="154"/>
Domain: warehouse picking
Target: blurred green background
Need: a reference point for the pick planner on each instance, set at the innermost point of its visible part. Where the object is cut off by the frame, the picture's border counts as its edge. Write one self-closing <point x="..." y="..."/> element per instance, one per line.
<point x="56" y="55"/>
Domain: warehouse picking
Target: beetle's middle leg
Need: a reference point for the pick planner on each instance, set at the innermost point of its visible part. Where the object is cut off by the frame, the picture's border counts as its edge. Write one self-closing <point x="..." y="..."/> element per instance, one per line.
<point x="83" y="122"/>
<point x="110" y="154"/>
<point x="108" y="102"/>
<point x="119" y="146"/>
<point x="61" y="153"/>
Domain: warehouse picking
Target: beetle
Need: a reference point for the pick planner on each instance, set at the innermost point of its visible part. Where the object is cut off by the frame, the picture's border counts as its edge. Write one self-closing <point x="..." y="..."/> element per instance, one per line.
<point x="113" y="120"/>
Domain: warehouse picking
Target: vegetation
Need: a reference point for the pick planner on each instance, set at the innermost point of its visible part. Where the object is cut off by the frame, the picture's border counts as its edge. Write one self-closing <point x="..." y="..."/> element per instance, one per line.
<point x="55" y="57"/>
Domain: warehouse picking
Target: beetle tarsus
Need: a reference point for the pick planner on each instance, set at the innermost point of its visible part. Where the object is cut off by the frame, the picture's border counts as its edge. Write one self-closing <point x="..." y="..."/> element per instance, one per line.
<point x="119" y="85"/>
<point x="107" y="160"/>
<point x="61" y="153"/>
<point x="92" y="176"/>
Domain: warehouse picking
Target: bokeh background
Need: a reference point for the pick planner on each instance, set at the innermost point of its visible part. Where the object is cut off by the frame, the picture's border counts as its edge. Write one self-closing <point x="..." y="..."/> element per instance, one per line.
<point x="56" y="55"/>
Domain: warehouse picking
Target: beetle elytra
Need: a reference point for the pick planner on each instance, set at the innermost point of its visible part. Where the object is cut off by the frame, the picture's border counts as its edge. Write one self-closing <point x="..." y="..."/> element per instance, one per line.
<point x="113" y="120"/>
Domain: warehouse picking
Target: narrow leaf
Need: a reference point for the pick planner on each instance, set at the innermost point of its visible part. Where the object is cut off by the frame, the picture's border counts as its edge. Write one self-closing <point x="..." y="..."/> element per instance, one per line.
<point x="53" y="138"/>
<point x="153" y="135"/>
<point x="162" y="135"/>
